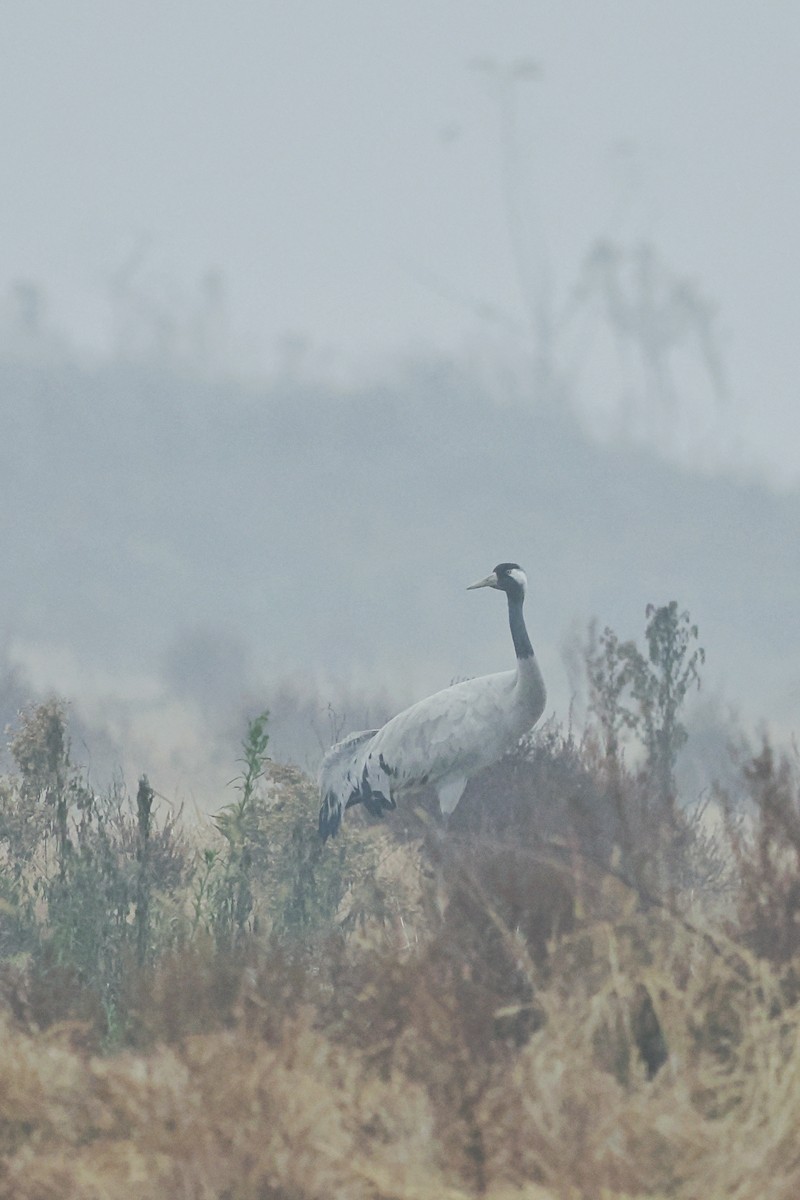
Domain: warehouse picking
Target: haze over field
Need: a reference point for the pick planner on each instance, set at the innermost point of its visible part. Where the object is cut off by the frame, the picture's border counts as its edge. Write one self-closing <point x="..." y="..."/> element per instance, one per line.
<point x="311" y="314"/>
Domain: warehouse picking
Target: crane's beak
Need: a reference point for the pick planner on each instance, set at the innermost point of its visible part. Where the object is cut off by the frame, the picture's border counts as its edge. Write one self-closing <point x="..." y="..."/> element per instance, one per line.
<point x="489" y="581"/>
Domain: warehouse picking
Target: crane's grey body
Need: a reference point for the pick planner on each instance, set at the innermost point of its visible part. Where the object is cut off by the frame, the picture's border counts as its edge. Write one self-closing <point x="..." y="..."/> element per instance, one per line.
<point x="444" y="739"/>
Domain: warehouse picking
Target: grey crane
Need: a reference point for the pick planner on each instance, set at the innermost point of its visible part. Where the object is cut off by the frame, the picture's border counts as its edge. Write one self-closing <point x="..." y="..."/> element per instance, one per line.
<point x="443" y="740"/>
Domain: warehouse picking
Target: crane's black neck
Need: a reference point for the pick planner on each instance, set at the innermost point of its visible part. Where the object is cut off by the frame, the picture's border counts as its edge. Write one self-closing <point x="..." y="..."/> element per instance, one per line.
<point x="519" y="634"/>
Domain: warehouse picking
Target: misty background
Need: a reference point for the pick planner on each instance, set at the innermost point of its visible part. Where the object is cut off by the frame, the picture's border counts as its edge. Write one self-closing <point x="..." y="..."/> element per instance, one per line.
<point x="311" y="314"/>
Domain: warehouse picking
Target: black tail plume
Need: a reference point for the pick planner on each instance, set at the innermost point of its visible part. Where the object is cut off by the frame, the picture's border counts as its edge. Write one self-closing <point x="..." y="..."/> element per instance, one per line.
<point x="330" y="816"/>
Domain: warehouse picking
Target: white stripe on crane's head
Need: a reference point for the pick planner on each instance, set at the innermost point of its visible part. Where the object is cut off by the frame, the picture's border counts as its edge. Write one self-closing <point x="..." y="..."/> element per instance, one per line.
<point x="511" y="578"/>
<point x="519" y="576"/>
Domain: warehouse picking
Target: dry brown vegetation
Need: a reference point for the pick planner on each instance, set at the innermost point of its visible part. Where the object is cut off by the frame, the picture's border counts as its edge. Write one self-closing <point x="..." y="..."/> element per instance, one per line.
<point x="641" y="1057"/>
<point x="578" y="993"/>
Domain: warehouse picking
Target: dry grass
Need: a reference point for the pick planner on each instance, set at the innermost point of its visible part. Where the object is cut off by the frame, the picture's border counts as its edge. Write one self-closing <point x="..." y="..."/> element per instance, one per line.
<point x="636" y="1056"/>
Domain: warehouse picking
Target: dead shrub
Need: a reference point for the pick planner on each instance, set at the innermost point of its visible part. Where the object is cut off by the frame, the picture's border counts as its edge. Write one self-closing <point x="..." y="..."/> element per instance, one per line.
<point x="766" y="849"/>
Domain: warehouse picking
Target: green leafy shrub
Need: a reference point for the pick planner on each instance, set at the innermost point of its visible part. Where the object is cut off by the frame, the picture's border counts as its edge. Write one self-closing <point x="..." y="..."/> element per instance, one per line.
<point x="90" y="877"/>
<point x="269" y="872"/>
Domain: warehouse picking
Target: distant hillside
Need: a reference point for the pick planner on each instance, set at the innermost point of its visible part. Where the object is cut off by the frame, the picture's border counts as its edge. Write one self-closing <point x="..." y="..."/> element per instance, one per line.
<point x="175" y="547"/>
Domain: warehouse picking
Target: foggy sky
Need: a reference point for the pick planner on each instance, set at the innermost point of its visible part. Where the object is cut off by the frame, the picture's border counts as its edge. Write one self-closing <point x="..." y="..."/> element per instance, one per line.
<point x="295" y="257"/>
<point x="340" y="165"/>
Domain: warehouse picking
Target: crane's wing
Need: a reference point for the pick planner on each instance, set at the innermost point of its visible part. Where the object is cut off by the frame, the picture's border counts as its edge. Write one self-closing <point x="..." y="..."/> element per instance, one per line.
<point x="445" y="737"/>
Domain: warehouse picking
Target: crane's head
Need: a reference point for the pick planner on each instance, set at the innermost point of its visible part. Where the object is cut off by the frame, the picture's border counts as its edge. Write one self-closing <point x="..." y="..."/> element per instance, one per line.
<point x="507" y="577"/>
